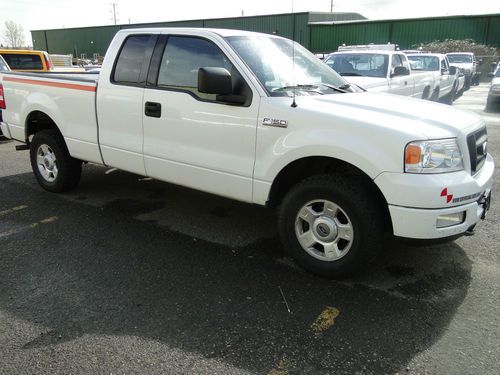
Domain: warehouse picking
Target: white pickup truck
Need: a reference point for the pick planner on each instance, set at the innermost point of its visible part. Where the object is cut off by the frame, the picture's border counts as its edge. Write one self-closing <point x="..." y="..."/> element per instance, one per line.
<point x="232" y="113"/>
<point x="382" y="71"/>
<point x="445" y="75"/>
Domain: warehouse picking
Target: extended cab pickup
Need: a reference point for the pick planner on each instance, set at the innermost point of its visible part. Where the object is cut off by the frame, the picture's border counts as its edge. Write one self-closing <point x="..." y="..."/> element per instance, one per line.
<point x="233" y="113"/>
<point x="382" y="71"/>
<point x="445" y="76"/>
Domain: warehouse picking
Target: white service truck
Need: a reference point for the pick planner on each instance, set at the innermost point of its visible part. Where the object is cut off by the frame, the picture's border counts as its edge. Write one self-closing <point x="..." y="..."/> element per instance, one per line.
<point x="234" y="114"/>
<point x="446" y="77"/>
<point x="382" y="71"/>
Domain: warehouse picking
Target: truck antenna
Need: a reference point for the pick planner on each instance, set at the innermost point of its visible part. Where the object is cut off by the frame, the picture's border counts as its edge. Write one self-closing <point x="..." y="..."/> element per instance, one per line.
<point x="294" y="103"/>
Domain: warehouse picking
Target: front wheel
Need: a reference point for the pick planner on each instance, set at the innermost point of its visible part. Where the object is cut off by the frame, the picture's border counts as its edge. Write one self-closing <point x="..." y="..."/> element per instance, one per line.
<point x="53" y="166"/>
<point x="331" y="225"/>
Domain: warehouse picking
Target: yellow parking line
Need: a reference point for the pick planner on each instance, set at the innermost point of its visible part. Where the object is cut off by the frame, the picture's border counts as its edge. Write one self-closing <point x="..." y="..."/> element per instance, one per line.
<point x="29" y="226"/>
<point x="325" y="320"/>
<point x="13" y="209"/>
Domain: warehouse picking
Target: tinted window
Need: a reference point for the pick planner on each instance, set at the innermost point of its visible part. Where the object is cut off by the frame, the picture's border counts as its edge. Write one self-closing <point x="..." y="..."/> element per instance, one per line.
<point x="129" y="64"/>
<point x="459" y="58"/>
<point x="404" y="61"/>
<point x="396" y="61"/>
<point x="23" y="62"/>
<point x="182" y="59"/>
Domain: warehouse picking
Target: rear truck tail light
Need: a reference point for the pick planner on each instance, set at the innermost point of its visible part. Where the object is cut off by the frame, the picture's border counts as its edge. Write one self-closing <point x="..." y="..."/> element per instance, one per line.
<point x="48" y="62"/>
<point x="2" y="99"/>
<point x="448" y="220"/>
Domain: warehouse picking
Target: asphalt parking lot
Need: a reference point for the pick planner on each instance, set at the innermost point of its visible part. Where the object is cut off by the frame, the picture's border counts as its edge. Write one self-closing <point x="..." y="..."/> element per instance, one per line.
<point x="130" y="275"/>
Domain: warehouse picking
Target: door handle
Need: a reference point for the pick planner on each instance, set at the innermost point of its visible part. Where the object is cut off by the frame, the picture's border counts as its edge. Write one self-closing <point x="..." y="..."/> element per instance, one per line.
<point x="152" y="109"/>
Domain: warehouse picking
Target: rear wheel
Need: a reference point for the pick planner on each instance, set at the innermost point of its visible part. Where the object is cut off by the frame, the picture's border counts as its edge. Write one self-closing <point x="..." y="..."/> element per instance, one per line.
<point x="53" y="166"/>
<point x="435" y="95"/>
<point x="448" y="99"/>
<point x="331" y="226"/>
<point x="425" y="94"/>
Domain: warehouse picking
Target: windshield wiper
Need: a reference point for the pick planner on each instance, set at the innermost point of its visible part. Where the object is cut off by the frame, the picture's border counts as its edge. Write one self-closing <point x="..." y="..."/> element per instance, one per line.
<point x="350" y="74"/>
<point x="342" y="89"/>
<point x="313" y="88"/>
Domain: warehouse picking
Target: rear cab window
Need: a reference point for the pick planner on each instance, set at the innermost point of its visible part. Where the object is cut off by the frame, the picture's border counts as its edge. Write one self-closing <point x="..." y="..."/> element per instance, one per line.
<point x="133" y="60"/>
<point x="23" y="61"/>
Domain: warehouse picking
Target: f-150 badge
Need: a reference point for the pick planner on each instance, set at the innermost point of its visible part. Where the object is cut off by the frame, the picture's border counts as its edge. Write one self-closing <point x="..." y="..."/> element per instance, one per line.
<point x="275" y="122"/>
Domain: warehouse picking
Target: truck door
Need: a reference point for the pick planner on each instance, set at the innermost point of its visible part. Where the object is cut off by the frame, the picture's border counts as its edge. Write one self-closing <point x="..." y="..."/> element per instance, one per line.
<point x="196" y="139"/>
<point x="120" y="105"/>
<point x="400" y="85"/>
<point x="446" y="78"/>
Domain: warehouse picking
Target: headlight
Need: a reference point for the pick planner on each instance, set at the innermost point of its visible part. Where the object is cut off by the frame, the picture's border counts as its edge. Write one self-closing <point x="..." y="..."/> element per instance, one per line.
<point x="439" y="156"/>
<point x="495" y="88"/>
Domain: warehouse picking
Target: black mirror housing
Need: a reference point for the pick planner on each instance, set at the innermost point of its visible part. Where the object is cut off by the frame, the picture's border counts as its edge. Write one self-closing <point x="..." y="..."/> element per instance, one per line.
<point x="400" y="71"/>
<point x="214" y="81"/>
<point x="453" y="70"/>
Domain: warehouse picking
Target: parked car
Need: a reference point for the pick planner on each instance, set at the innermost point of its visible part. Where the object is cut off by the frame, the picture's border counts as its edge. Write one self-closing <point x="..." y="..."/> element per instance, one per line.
<point x="382" y="71"/>
<point x="208" y="109"/>
<point x="465" y="61"/>
<point x="493" y="99"/>
<point x="445" y="76"/>
<point x="27" y="60"/>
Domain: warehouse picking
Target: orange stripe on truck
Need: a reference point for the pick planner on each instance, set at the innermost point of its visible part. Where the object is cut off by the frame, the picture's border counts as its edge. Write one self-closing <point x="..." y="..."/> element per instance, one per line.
<point x="71" y="86"/>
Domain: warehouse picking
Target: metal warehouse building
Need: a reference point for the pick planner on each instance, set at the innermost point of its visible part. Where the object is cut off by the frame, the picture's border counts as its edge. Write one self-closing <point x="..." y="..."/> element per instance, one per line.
<point x="320" y="32"/>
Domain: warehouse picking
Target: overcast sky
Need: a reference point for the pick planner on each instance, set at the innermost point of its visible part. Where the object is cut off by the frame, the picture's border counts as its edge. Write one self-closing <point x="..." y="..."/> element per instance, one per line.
<point x="53" y="14"/>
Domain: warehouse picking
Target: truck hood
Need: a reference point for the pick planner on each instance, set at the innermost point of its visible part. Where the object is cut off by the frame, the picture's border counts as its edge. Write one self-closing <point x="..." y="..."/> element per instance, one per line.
<point x="367" y="82"/>
<point x="467" y="66"/>
<point x="415" y="116"/>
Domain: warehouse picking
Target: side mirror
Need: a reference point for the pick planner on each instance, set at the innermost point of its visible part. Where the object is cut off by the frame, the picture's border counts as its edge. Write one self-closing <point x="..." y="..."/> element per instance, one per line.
<point x="215" y="81"/>
<point x="453" y="70"/>
<point x="400" y="71"/>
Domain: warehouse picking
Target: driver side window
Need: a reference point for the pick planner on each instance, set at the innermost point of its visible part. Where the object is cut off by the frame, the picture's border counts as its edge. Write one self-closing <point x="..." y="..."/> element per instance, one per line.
<point x="183" y="57"/>
<point x="395" y="62"/>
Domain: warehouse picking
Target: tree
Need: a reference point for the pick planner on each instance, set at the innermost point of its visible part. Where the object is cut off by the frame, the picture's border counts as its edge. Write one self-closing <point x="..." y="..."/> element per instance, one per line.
<point x="13" y="34"/>
<point x="465" y="45"/>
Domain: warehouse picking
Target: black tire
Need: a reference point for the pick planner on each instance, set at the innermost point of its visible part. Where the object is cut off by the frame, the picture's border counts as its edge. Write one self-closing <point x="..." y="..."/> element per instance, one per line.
<point x="426" y="92"/>
<point x="467" y="83"/>
<point x="435" y="95"/>
<point x="363" y="211"/>
<point x="68" y="169"/>
<point x="448" y="99"/>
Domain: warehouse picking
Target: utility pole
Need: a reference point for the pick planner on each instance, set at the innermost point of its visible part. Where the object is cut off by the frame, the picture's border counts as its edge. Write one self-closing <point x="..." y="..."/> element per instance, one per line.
<point x="114" y="5"/>
<point x="331" y="6"/>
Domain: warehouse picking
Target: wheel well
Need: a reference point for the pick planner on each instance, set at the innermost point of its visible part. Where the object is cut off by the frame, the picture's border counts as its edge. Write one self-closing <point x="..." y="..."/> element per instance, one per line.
<point x="37" y="121"/>
<point x="316" y="165"/>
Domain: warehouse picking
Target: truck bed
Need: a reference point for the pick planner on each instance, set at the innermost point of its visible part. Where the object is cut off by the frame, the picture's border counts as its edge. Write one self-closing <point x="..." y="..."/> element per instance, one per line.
<point x="68" y="98"/>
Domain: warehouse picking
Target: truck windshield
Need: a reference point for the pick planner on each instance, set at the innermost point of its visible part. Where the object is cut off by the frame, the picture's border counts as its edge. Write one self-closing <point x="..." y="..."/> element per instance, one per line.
<point x="357" y="64"/>
<point x="426" y="63"/>
<point x="459" y="58"/>
<point x="271" y="61"/>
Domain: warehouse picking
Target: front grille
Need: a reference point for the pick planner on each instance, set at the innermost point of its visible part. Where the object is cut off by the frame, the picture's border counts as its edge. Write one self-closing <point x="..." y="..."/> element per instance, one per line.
<point x="476" y="143"/>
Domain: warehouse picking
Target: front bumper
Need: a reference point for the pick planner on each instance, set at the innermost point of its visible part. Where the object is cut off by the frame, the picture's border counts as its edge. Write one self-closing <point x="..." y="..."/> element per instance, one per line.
<point x="418" y="223"/>
<point x="416" y="201"/>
